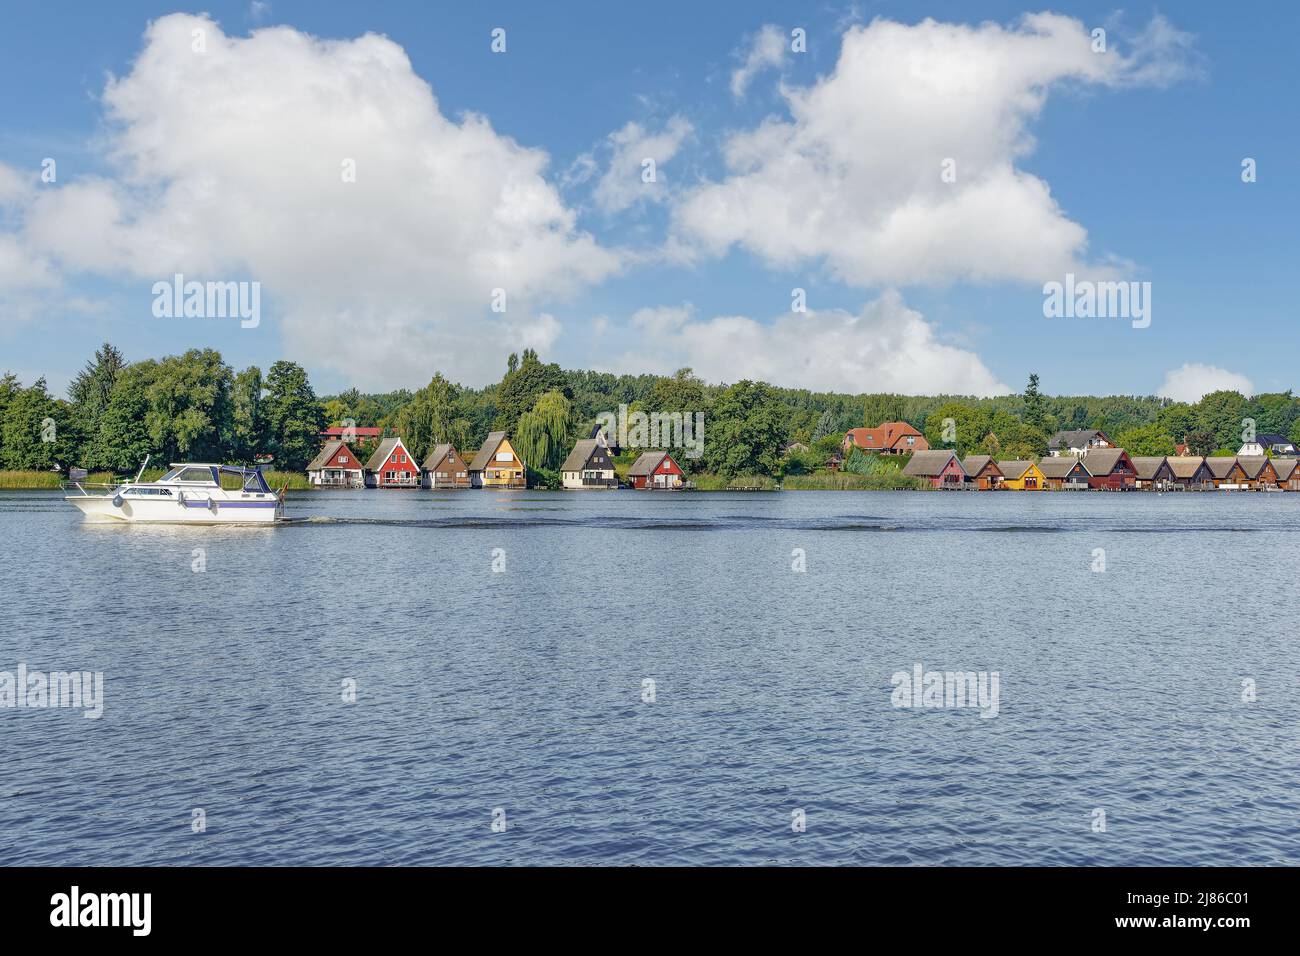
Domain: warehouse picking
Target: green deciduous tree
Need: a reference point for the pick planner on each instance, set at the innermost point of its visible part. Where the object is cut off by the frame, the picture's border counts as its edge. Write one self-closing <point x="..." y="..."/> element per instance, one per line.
<point x="34" y="432"/>
<point x="744" y="430"/>
<point x="1220" y="413"/>
<point x="1274" y="412"/>
<point x="248" y="428"/>
<point x="9" y="387"/>
<point x="189" y="417"/>
<point x="1017" y="439"/>
<point x="1146" y="440"/>
<point x="293" y="417"/>
<point x="1176" y="419"/>
<point x="958" y="426"/>
<point x="681" y="393"/>
<point x="429" y="419"/>
<point x="522" y="386"/>
<point x="882" y="407"/>
<point x="121" y="439"/>
<point x="1200" y="442"/>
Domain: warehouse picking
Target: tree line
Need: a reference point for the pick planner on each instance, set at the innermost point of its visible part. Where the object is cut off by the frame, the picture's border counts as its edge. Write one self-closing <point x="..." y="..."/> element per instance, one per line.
<point x="195" y="407"/>
<point x="182" y="407"/>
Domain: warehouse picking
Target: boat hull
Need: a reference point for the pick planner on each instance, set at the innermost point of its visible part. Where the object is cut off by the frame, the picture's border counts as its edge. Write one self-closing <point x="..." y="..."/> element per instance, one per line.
<point x="101" y="509"/>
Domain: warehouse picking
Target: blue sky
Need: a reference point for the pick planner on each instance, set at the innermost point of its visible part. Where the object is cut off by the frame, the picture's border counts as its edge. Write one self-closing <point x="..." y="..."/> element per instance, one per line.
<point x="1149" y="169"/>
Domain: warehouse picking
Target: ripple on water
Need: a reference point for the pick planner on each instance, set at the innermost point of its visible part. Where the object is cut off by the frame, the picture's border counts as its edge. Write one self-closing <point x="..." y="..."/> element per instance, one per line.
<point x="524" y="691"/>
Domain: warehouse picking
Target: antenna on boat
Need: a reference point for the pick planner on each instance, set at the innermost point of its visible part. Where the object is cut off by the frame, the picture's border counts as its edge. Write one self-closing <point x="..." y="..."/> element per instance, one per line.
<point x="142" y="468"/>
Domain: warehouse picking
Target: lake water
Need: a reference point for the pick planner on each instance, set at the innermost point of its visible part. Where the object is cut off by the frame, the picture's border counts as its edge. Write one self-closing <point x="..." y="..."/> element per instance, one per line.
<point x="522" y="690"/>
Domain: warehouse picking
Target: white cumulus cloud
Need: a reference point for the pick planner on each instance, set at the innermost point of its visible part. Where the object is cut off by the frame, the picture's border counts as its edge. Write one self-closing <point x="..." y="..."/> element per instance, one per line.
<point x="886" y="347"/>
<point x="230" y="163"/>
<point x="766" y="51"/>
<point x="623" y="183"/>
<point x="1189" y="382"/>
<point x="29" y="283"/>
<point x="852" y="177"/>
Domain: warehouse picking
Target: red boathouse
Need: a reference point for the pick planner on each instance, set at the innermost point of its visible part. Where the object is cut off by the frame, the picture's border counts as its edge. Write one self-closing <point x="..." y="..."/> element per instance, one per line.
<point x="656" y="469"/>
<point x="1110" y="469"/>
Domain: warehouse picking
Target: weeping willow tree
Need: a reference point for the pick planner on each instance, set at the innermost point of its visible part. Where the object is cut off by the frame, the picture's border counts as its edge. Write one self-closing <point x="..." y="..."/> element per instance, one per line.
<point x="544" y="435"/>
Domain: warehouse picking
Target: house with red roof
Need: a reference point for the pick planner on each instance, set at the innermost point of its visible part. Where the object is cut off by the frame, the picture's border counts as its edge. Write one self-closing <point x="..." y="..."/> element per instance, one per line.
<point x="891" y="438"/>
<point x="352" y="433"/>
<point x="335" y="467"/>
<point x="656" y="469"/>
<point x="392" y="466"/>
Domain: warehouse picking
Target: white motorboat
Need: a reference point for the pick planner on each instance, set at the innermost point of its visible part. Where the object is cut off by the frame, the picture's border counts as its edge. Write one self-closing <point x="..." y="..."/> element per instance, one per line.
<point x="190" y="493"/>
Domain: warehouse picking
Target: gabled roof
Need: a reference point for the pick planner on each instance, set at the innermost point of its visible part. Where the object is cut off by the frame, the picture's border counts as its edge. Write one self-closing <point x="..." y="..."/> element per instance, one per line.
<point x="329" y="451"/>
<point x="1146" y="466"/>
<point x="1269" y="439"/>
<point x="485" y="453"/>
<point x="581" y="454"/>
<point x="930" y="464"/>
<point x="646" y="463"/>
<point x="1102" y="461"/>
<point x="383" y="451"/>
<point x="1076" y="438"/>
<point x="1060" y="466"/>
<point x="974" y="464"/>
<point x="1185" y="466"/>
<point x="598" y="431"/>
<point x="884" y="436"/>
<point x="1015" y="470"/>
<point x="1284" y="467"/>
<point x="1252" y="465"/>
<point x="437" y="455"/>
<point x="1220" y="465"/>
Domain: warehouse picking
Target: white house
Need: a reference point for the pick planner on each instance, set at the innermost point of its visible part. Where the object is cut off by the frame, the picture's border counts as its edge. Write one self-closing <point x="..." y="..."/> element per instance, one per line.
<point x="589" y="466"/>
<point x="335" y="467"/>
<point x="1077" y="442"/>
<point x="1268" y="443"/>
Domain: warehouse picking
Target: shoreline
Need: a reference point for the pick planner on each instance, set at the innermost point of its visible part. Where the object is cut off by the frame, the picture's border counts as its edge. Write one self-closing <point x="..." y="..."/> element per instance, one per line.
<point x="4" y="487"/>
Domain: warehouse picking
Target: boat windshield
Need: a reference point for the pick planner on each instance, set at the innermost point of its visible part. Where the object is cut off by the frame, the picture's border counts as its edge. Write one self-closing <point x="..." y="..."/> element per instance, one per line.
<point x="191" y="473"/>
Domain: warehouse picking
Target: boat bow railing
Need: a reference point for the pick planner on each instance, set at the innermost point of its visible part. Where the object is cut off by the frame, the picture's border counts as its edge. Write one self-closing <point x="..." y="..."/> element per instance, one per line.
<point x="81" y="486"/>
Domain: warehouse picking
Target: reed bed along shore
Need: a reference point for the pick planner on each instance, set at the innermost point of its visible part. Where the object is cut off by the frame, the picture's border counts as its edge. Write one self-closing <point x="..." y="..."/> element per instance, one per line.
<point x="20" y="480"/>
<point x="847" y="481"/>
<point x="741" y="483"/>
<point x="52" y="480"/>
